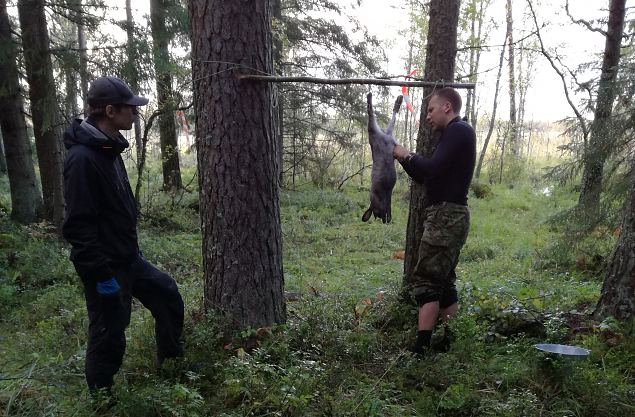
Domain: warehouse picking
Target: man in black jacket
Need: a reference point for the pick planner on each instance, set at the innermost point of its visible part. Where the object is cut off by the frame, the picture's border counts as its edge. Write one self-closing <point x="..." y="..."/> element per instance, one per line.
<point x="101" y="226"/>
<point x="447" y="175"/>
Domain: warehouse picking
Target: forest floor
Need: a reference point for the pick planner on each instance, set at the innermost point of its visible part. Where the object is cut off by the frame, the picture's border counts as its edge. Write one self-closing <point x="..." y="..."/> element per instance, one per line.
<point x="342" y="352"/>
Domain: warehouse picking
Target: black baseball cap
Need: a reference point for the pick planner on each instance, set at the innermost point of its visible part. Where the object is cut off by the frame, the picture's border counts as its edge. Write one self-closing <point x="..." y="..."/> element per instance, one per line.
<point x="111" y="90"/>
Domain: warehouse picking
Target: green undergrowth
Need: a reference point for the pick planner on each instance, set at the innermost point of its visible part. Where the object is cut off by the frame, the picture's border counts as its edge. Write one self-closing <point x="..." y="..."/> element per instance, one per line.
<point x="342" y="350"/>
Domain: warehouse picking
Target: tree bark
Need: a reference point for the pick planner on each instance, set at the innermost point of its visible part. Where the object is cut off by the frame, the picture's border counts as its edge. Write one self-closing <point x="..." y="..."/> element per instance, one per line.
<point x="44" y="111"/>
<point x="70" y="102"/>
<point x="601" y="139"/>
<point x="237" y="161"/>
<point x="26" y="199"/>
<point x="617" y="298"/>
<point x="523" y="85"/>
<point x="165" y="97"/>
<point x="83" y="56"/>
<point x="69" y="69"/>
<point x="133" y="74"/>
<point x="440" y="61"/>
<point x="511" y="58"/>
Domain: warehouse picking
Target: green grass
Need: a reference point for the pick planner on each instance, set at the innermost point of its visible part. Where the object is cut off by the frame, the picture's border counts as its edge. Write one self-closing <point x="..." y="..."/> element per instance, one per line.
<point x="340" y="353"/>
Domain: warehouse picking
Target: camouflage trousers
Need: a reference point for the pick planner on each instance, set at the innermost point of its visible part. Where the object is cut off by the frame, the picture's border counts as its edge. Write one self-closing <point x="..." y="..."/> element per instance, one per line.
<point x="446" y="227"/>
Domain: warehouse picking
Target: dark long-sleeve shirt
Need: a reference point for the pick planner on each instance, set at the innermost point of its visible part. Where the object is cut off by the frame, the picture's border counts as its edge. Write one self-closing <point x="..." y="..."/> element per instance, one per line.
<point x="448" y="172"/>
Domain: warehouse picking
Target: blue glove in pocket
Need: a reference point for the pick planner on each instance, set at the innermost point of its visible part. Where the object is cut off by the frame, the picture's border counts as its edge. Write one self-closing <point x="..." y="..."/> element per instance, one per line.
<point x="109" y="287"/>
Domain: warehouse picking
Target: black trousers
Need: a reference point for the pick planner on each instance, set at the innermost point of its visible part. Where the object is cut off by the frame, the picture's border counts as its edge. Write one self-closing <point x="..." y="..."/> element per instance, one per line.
<point x="109" y="317"/>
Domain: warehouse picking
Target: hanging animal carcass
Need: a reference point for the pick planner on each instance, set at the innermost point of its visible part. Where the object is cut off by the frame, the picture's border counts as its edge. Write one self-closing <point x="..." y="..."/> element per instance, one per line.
<point x="383" y="175"/>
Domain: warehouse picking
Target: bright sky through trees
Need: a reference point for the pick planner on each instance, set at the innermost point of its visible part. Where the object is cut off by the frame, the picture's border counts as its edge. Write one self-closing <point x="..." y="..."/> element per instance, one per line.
<point x="575" y="44"/>
<point x="545" y="99"/>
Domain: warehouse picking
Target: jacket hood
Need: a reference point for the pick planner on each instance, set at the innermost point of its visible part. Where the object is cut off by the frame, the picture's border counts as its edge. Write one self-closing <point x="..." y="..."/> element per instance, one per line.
<point x="84" y="132"/>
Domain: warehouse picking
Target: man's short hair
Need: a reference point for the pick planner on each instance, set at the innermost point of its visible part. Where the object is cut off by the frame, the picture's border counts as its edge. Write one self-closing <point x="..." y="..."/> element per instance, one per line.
<point x="100" y="111"/>
<point x="451" y="95"/>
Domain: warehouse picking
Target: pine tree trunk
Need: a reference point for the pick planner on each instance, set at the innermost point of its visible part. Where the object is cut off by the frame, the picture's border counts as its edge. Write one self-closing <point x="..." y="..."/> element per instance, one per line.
<point x="165" y="97"/>
<point x="617" y="298"/>
<point x="44" y="111"/>
<point x="513" y="136"/>
<point x="133" y="74"/>
<point x="26" y="199"/>
<point x="68" y="61"/>
<point x="440" y="60"/>
<point x="237" y="161"/>
<point x="70" y="99"/>
<point x="83" y="55"/>
<point x="601" y="139"/>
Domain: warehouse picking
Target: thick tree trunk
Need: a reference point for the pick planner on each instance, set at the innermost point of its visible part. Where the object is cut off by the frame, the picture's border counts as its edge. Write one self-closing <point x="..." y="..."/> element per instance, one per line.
<point x="26" y="199"/>
<point x="165" y="97"/>
<point x="601" y="139"/>
<point x="440" y="60"/>
<point x="618" y="292"/>
<point x="44" y="111"/>
<point x="237" y="161"/>
<point x="133" y="74"/>
<point x="83" y="55"/>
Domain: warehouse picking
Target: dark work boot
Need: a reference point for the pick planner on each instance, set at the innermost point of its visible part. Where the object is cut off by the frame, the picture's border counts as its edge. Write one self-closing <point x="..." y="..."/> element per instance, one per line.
<point x="422" y="344"/>
<point x="442" y="339"/>
<point x="102" y="400"/>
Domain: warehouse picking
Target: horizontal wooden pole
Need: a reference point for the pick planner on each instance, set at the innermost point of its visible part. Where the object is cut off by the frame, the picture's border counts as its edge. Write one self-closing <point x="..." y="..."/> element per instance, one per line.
<point x="373" y="81"/>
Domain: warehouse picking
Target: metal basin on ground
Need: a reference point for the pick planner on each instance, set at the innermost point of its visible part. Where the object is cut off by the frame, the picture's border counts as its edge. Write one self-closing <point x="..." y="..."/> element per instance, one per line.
<point x="565" y="350"/>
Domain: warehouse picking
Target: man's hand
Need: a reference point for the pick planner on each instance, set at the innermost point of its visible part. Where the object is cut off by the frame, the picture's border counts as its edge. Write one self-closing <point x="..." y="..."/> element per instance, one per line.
<point x="108" y="288"/>
<point x="400" y="153"/>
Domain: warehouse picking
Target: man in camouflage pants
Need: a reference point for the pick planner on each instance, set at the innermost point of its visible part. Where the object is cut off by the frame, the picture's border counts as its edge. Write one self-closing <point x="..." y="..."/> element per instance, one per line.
<point x="447" y="175"/>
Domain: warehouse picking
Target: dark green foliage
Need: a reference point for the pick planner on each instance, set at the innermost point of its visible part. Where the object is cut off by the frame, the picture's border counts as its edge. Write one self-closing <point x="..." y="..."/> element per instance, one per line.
<point x="481" y="190"/>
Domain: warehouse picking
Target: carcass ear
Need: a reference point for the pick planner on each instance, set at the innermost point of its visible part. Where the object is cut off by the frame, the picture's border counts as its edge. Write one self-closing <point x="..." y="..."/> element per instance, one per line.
<point x="366" y="215"/>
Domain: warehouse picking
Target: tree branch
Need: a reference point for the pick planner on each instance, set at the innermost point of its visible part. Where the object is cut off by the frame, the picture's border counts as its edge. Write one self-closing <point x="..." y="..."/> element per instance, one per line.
<point x="583" y="22"/>
<point x="585" y="130"/>
<point x="352" y="175"/>
<point x="519" y="41"/>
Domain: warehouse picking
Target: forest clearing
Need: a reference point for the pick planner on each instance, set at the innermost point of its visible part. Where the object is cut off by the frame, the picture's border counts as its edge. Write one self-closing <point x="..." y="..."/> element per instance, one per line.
<point x="339" y="352"/>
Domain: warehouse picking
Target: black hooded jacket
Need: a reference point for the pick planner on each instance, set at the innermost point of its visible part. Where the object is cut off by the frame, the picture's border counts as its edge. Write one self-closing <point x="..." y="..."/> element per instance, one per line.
<point x="101" y="213"/>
